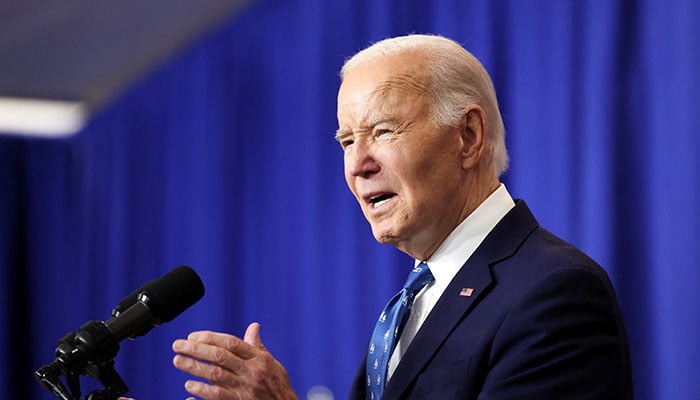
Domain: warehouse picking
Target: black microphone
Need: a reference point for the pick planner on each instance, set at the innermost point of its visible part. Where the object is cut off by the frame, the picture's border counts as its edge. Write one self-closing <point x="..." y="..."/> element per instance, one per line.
<point x="161" y="300"/>
<point x="92" y="349"/>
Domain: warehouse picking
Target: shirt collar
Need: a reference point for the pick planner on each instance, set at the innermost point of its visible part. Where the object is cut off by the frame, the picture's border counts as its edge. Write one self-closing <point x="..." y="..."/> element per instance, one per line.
<point x="461" y="243"/>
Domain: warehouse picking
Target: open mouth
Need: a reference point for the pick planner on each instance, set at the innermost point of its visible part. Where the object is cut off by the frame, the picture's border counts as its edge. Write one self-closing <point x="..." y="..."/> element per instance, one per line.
<point x="379" y="199"/>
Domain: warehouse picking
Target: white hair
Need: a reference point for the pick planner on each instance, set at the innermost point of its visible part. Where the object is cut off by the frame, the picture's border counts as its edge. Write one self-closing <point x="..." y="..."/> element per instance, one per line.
<point x="458" y="80"/>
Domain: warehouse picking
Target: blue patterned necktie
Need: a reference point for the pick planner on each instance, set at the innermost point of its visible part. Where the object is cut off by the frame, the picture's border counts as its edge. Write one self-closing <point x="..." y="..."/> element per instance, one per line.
<point x="388" y="330"/>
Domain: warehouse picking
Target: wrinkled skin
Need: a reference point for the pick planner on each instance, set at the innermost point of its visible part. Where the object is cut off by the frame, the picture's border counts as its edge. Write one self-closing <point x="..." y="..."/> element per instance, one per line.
<point x="231" y="368"/>
<point x="235" y="369"/>
<point x="414" y="181"/>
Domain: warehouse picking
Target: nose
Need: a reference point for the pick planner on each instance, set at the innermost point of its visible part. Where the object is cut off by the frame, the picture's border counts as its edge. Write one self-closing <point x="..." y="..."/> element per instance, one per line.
<point x="360" y="160"/>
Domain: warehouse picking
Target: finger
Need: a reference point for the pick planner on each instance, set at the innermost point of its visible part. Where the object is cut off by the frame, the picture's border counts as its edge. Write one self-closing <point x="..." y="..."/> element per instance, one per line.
<point x="206" y="361"/>
<point x="209" y="392"/>
<point x="229" y="342"/>
<point x="204" y="351"/>
<point x="252" y="336"/>
<point x="211" y="372"/>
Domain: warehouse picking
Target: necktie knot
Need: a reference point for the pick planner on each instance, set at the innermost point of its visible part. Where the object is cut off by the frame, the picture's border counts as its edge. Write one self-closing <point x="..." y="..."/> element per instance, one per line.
<point x="419" y="277"/>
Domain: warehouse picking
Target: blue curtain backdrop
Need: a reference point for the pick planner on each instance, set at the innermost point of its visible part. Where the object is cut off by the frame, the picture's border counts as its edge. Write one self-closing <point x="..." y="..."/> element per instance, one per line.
<point x="224" y="159"/>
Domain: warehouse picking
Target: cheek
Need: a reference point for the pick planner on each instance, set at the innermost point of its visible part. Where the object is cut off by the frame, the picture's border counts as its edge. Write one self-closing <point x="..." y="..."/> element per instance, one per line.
<point x="431" y="180"/>
<point x="346" y="170"/>
<point x="349" y="181"/>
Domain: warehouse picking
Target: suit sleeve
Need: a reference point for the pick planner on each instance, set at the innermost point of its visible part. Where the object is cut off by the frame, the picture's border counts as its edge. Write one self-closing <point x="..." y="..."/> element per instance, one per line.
<point x="562" y="339"/>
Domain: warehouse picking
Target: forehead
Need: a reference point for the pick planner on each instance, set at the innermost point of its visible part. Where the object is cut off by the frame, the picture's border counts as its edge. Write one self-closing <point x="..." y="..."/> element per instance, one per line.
<point x="392" y="84"/>
<point x="407" y="70"/>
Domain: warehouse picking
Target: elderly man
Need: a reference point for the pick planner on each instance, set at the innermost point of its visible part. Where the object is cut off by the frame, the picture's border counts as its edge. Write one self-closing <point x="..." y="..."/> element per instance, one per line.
<point x="496" y="307"/>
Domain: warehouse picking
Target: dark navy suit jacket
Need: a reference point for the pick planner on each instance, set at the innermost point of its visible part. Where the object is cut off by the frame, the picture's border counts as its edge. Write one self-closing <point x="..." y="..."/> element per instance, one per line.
<point x="542" y="322"/>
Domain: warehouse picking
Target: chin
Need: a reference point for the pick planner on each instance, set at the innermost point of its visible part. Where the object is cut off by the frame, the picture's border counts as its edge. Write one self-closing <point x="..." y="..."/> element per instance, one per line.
<point x="385" y="236"/>
<point x="382" y="237"/>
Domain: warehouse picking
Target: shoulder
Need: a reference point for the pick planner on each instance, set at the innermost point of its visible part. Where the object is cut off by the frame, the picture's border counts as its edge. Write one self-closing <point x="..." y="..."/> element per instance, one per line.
<point x="559" y="318"/>
<point x="518" y="245"/>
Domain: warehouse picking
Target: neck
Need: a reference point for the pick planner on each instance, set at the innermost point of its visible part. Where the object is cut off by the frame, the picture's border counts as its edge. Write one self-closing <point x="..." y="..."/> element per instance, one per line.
<point x="474" y="196"/>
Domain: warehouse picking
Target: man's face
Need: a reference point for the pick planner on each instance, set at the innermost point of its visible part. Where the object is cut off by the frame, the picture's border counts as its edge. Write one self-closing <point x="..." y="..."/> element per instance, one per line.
<point x="405" y="172"/>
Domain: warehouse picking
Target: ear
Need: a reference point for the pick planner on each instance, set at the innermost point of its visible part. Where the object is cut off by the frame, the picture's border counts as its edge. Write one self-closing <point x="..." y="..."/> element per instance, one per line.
<point x="473" y="133"/>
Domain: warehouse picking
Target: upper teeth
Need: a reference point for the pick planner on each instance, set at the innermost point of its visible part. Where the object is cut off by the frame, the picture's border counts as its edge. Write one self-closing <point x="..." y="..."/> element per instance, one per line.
<point x="378" y="199"/>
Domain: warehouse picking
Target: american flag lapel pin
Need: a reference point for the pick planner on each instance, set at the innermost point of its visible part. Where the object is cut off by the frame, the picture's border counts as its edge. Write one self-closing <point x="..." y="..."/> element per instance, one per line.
<point x="466" y="292"/>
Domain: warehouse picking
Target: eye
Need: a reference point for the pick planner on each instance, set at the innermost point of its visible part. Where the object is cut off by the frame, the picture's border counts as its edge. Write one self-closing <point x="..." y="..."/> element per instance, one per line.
<point x="345" y="139"/>
<point x="346" y="142"/>
<point x="382" y="132"/>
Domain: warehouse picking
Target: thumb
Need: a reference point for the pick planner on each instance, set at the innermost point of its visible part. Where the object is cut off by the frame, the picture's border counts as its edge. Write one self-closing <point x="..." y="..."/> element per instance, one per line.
<point x="252" y="336"/>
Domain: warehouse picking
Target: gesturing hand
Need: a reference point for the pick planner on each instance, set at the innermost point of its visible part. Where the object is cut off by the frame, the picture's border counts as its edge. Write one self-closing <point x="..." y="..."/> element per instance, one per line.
<point x="236" y="369"/>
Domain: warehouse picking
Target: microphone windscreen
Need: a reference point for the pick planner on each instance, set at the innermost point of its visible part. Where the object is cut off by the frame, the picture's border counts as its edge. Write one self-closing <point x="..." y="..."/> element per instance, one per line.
<point x="173" y="293"/>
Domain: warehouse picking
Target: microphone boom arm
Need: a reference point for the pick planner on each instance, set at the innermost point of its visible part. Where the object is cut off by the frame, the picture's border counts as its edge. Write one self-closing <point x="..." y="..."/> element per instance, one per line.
<point x="76" y="356"/>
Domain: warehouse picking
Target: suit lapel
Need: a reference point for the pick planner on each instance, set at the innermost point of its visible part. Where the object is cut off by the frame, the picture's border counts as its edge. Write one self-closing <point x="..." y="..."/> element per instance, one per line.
<point x="475" y="277"/>
<point x="449" y="310"/>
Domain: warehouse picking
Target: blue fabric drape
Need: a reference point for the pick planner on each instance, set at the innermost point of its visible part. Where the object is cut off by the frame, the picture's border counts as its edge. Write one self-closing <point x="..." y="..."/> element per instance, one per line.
<point x="224" y="160"/>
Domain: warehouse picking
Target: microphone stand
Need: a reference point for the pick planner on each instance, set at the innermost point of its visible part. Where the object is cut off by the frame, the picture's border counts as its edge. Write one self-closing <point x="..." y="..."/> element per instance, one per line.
<point x="90" y="351"/>
<point x="93" y="348"/>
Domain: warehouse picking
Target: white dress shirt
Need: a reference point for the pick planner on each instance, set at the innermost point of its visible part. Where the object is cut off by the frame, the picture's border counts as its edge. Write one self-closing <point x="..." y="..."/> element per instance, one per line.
<point x="447" y="261"/>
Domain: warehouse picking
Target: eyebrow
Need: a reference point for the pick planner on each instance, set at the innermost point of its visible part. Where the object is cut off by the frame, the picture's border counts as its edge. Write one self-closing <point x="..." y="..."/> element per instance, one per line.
<point x="342" y="133"/>
<point x="398" y="82"/>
